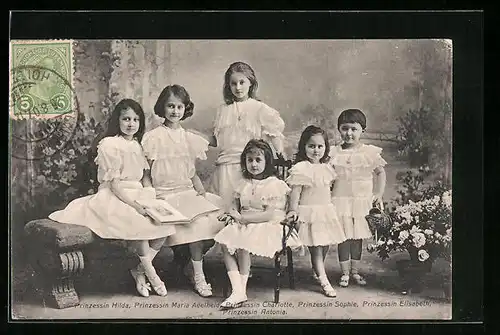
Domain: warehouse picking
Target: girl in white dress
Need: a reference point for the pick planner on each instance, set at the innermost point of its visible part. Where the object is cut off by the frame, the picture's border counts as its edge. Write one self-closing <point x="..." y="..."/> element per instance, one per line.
<point x="242" y="118"/>
<point x="172" y="153"/>
<point x="123" y="175"/>
<point x="311" y="178"/>
<point x="259" y="202"/>
<point x="353" y="193"/>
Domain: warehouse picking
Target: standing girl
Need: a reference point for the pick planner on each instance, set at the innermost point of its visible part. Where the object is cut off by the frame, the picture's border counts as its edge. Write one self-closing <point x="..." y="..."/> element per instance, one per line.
<point x="113" y="213"/>
<point x="242" y="118"/>
<point x="311" y="178"/>
<point x="258" y="208"/>
<point x="353" y="193"/>
<point x="172" y="153"/>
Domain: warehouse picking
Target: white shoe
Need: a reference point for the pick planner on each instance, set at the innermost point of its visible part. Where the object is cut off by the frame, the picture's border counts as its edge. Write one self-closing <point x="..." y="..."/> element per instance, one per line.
<point x="235" y="300"/>
<point x="140" y="281"/>
<point x="201" y="286"/>
<point x="157" y="284"/>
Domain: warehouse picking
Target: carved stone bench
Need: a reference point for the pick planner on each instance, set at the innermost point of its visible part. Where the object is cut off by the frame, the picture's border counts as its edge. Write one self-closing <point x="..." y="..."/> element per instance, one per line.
<point x="59" y="253"/>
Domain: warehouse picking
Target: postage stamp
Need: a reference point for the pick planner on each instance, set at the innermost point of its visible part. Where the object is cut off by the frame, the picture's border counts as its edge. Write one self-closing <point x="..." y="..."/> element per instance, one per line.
<point x="43" y="103"/>
<point x="39" y="73"/>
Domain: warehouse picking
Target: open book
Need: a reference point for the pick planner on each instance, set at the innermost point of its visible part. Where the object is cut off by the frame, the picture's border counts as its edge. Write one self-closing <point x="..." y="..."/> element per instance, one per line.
<point x="180" y="208"/>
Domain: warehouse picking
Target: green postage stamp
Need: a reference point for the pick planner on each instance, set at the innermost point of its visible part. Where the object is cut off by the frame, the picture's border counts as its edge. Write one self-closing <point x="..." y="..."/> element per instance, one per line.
<point x="41" y="78"/>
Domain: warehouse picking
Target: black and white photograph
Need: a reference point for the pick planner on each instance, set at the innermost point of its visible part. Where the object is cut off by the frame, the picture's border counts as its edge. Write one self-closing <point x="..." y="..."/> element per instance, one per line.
<point x="231" y="179"/>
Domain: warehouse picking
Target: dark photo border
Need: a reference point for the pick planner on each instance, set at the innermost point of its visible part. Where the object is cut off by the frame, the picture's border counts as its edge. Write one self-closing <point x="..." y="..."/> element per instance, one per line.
<point x="464" y="28"/>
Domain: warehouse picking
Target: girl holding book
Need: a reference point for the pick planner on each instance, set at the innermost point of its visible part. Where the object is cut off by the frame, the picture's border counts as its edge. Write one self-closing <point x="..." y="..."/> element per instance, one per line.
<point x="172" y="153"/>
<point x="113" y="213"/>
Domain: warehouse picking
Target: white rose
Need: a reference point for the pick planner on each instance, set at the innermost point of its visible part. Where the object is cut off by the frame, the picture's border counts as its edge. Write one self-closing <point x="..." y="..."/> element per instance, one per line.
<point x="403" y="235"/>
<point x="428" y="232"/>
<point x="370" y="247"/>
<point x="418" y="239"/>
<point x="390" y="242"/>
<point x="422" y="255"/>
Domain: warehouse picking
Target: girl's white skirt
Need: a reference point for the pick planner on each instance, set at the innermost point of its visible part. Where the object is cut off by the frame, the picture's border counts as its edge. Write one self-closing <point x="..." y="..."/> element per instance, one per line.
<point x="110" y="218"/>
<point x="351" y="212"/>
<point x="261" y="239"/>
<point x="224" y="181"/>
<point x="319" y="225"/>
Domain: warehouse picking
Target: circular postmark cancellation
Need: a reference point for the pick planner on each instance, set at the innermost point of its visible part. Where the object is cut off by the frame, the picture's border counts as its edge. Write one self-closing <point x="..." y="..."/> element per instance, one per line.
<point x="44" y="111"/>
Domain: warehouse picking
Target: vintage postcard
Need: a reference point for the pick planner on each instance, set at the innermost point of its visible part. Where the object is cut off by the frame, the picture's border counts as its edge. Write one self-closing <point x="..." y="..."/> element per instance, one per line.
<point x="362" y="130"/>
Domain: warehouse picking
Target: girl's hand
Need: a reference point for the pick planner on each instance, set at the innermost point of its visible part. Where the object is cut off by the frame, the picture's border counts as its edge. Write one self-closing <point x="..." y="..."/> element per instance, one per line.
<point x="292" y="215"/>
<point x="201" y="192"/>
<point x="242" y="221"/>
<point x="378" y="200"/>
<point x="235" y="214"/>
<point x="139" y="208"/>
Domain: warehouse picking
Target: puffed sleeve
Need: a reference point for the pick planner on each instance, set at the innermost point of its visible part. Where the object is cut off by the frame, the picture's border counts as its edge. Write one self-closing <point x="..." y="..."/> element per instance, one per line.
<point x="149" y="145"/>
<point x="272" y="124"/>
<point x="216" y="123"/>
<point x="198" y="146"/>
<point x="374" y="154"/>
<point x="275" y="194"/>
<point x="109" y="159"/>
<point x="240" y="188"/>
<point x="299" y="174"/>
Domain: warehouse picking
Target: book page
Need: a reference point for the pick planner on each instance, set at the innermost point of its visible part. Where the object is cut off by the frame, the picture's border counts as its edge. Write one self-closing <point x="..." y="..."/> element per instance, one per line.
<point x="162" y="212"/>
<point x="190" y="204"/>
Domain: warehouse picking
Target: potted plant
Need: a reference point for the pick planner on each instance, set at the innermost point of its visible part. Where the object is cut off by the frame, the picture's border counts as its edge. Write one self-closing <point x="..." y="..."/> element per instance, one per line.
<point x="423" y="229"/>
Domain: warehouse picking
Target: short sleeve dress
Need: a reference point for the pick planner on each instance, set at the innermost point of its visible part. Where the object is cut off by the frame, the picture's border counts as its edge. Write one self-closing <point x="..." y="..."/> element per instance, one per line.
<point x="262" y="239"/>
<point x="123" y="161"/>
<point x="319" y="224"/>
<point x="234" y="126"/>
<point x="173" y="153"/>
<point x="353" y="189"/>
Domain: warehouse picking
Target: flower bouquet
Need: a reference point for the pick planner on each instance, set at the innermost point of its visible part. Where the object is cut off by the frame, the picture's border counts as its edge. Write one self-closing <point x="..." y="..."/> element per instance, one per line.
<point x="423" y="229"/>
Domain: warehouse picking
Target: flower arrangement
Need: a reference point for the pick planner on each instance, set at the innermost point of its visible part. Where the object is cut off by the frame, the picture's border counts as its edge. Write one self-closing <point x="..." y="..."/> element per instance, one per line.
<point x="422" y="228"/>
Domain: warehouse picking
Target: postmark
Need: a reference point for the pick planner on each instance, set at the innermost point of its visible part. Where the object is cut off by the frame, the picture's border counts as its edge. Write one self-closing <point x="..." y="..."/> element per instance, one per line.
<point x="44" y="106"/>
<point x="38" y="84"/>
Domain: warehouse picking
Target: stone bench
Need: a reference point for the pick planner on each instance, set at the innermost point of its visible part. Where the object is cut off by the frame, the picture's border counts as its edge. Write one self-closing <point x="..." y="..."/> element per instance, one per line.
<point x="60" y="253"/>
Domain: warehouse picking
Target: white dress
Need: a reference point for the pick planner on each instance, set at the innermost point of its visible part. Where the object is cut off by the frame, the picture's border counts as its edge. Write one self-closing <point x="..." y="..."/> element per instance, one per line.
<point x="319" y="224"/>
<point x="262" y="239"/>
<point x="234" y="126"/>
<point x="173" y="153"/>
<point x="105" y="214"/>
<point x="353" y="188"/>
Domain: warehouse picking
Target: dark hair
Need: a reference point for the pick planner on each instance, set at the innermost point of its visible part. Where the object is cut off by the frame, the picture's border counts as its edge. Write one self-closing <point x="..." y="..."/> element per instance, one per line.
<point x="244" y="68"/>
<point x="352" y="116"/>
<point x="306" y="136"/>
<point x="176" y="91"/>
<point x="113" y="128"/>
<point x="269" y="170"/>
<point x="113" y="125"/>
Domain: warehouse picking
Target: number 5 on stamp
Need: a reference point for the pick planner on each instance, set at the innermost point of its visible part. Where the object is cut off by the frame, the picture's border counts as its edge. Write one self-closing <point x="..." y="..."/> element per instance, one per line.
<point x="40" y="73"/>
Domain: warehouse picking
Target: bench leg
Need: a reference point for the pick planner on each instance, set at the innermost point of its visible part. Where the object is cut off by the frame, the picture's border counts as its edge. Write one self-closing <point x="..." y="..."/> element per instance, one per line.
<point x="55" y="277"/>
<point x="63" y="294"/>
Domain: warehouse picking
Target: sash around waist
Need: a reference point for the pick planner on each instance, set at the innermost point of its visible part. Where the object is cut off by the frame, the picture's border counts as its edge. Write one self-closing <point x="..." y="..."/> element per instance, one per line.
<point x="232" y="156"/>
<point x="278" y="213"/>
